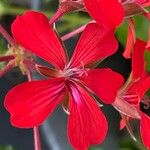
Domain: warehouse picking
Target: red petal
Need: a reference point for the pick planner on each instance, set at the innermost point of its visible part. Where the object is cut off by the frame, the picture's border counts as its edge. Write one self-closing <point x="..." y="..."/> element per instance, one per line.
<point x="87" y="125"/>
<point x="124" y="121"/>
<point x="96" y="42"/>
<point x="104" y="83"/>
<point x="130" y="39"/>
<point x="138" y="62"/>
<point x="145" y="129"/>
<point x="143" y="86"/>
<point x="107" y="12"/>
<point x="136" y="90"/>
<point x="32" y="102"/>
<point x="32" y="31"/>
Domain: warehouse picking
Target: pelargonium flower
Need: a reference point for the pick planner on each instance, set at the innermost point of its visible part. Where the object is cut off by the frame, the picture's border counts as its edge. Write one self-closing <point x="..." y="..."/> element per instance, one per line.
<point x="132" y="8"/>
<point x="30" y="103"/>
<point x="113" y="12"/>
<point x="133" y="93"/>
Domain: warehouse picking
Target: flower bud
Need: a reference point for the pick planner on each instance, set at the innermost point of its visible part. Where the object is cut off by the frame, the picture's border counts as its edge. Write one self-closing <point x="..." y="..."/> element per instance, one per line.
<point x="132" y="9"/>
<point x="70" y="5"/>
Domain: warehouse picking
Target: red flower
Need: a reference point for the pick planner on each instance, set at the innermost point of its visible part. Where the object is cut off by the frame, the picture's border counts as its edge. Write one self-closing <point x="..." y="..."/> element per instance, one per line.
<point x="134" y="93"/>
<point x="32" y="102"/>
<point x="132" y="8"/>
<point x="113" y="12"/>
<point x="108" y="12"/>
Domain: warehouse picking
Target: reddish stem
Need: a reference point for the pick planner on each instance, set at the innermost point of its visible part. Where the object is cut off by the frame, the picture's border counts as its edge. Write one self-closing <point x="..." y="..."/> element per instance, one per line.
<point x="37" y="142"/>
<point x="59" y="13"/>
<point x="9" y="66"/>
<point x="6" y="58"/>
<point x="73" y="33"/>
<point x="7" y="36"/>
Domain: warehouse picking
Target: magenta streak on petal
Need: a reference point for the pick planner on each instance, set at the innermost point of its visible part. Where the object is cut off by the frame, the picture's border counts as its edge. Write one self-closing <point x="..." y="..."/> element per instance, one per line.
<point x="75" y="93"/>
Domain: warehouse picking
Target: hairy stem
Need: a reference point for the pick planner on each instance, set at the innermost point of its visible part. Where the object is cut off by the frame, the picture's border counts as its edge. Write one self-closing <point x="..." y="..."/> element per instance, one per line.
<point x="6" y="58"/>
<point x="56" y="16"/>
<point x="7" y="36"/>
<point x="73" y="33"/>
<point x="37" y="142"/>
<point x="9" y="66"/>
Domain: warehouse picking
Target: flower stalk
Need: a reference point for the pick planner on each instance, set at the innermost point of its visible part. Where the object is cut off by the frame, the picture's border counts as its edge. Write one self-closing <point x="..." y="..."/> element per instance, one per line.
<point x="59" y="13"/>
<point x="7" y="36"/>
<point x="6" y="58"/>
<point x="73" y="33"/>
<point x="8" y="67"/>
<point x="37" y="142"/>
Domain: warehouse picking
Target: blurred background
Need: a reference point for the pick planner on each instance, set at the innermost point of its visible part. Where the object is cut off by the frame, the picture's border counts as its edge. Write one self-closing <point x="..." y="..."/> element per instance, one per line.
<point x="53" y="131"/>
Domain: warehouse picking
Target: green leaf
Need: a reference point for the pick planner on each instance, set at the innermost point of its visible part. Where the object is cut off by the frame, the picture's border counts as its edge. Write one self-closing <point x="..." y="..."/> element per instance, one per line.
<point x="141" y="27"/>
<point x="121" y="33"/>
<point x="147" y="58"/>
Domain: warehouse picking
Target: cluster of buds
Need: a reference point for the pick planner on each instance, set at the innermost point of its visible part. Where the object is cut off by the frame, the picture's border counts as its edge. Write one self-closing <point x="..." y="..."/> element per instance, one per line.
<point x="73" y="83"/>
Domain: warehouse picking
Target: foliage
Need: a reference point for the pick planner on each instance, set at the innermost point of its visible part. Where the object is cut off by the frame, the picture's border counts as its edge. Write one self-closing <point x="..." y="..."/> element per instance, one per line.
<point x="8" y="147"/>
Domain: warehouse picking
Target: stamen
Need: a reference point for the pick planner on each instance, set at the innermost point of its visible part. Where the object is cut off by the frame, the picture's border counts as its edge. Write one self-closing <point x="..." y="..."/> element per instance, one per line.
<point x="74" y="72"/>
<point x="99" y="105"/>
<point x="66" y="110"/>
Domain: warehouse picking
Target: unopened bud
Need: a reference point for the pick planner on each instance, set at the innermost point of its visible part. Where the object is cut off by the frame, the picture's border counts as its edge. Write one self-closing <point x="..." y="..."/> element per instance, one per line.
<point x="132" y="9"/>
<point x="70" y="5"/>
<point x="66" y="6"/>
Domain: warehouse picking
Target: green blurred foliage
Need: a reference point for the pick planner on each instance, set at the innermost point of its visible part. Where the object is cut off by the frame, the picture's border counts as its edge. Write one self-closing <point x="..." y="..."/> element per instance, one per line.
<point x="3" y="47"/>
<point x="3" y="50"/>
<point x="141" y="28"/>
<point x="147" y="58"/>
<point x="6" y="147"/>
<point x="126" y="143"/>
<point x="121" y="33"/>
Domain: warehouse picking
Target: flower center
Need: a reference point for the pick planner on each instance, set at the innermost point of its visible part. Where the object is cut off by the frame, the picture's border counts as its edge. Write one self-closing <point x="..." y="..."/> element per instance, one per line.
<point x="73" y="72"/>
<point x="67" y="73"/>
